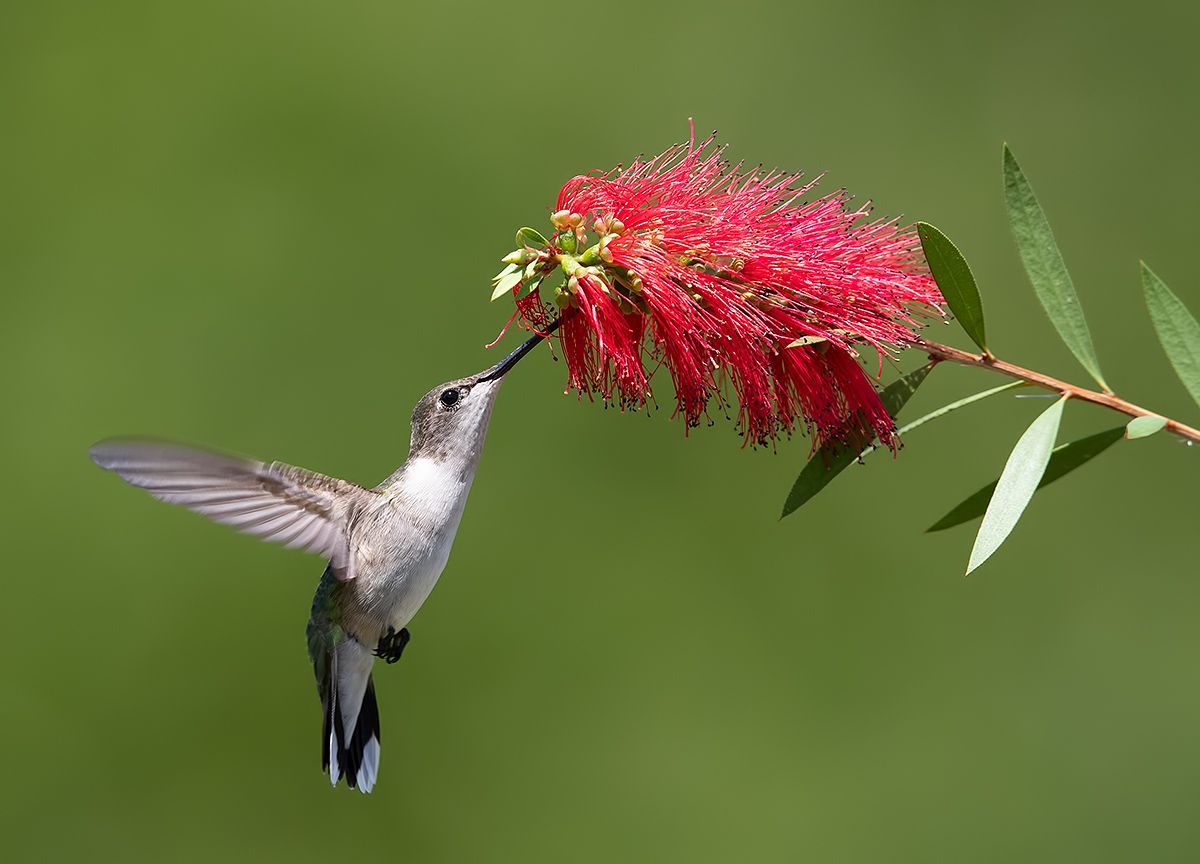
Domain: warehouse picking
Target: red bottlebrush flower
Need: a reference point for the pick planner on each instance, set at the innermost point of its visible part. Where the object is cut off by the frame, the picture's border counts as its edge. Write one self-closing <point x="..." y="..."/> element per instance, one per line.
<point x="726" y="277"/>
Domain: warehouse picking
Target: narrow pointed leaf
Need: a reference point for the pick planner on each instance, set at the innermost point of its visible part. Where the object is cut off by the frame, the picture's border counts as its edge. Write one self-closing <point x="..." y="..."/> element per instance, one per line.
<point x="1178" y="330"/>
<point x="806" y="340"/>
<point x="509" y="268"/>
<point x="960" y="403"/>
<point x="955" y="280"/>
<point x="827" y="463"/>
<point x="505" y="285"/>
<point x="1142" y="427"/>
<point x="946" y="409"/>
<point x="1063" y="460"/>
<point x="1045" y="266"/>
<point x="824" y="466"/>
<point x="531" y="237"/>
<point x="1018" y="481"/>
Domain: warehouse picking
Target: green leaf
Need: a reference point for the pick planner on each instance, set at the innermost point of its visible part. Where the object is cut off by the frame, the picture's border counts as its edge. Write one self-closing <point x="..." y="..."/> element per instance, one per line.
<point x="954" y="406"/>
<point x="1045" y="266"/>
<point x="506" y="284"/>
<point x="827" y="463"/>
<point x="1063" y="460"/>
<point x="510" y="268"/>
<point x="946" y="409"/>
<point x="531" y="237"/>
<point x="1018" y="481"/>
<point x="1142" y="427"/>
<point x="1177" y="329"/>
<point x="953" y="276"/>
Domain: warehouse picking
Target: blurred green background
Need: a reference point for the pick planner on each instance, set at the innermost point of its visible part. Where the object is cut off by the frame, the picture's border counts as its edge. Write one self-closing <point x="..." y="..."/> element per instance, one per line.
<point x="269" y="227"/>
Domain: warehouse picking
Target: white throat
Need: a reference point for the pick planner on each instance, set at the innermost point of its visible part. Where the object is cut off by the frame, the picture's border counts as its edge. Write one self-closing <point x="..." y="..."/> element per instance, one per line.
<point x="433" y="490"/>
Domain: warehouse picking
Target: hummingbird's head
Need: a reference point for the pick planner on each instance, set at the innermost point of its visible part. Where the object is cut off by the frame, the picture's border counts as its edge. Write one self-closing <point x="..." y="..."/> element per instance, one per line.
<point x="451" y="420"/>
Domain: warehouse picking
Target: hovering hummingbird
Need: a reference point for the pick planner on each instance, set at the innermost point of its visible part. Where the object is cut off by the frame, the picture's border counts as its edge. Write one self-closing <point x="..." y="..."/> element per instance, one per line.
<point x="386" y="546"/>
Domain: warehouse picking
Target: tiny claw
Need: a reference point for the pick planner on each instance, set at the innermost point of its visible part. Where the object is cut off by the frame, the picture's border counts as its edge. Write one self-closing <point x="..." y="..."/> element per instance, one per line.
<point x="391" y="644"/>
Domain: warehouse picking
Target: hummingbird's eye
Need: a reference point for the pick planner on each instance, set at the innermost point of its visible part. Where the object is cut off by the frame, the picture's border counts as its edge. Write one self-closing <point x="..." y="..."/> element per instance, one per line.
<point x="449" y="398"/>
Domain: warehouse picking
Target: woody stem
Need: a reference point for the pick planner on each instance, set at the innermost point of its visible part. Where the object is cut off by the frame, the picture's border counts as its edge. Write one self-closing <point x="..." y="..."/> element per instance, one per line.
<point x="937" y="351"/>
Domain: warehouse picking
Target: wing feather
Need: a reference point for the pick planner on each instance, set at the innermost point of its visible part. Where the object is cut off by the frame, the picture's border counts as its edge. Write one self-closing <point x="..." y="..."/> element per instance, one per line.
<point x="274" y="501"/>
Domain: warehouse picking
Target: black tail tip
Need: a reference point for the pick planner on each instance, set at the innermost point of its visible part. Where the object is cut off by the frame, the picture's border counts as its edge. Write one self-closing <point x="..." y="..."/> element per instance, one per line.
<point x="357" y="759"/>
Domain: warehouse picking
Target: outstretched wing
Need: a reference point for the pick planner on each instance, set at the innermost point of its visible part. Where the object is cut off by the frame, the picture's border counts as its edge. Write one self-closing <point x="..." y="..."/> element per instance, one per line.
<point x="277" y="502"/>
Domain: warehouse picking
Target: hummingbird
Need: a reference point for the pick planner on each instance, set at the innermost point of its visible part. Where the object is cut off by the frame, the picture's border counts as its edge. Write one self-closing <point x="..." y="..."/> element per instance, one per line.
<point x="385" y="547"/>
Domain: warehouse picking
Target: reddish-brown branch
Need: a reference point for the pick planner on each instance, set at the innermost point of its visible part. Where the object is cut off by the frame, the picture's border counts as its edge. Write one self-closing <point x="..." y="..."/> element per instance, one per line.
<point x="938" y="351"/>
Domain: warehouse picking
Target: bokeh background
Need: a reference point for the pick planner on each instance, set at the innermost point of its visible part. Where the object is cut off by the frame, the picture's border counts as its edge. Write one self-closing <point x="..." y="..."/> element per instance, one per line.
<point x="269" y="227"/>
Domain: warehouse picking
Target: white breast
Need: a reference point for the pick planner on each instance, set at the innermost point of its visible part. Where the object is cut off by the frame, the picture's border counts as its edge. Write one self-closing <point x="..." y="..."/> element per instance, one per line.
<point x="404" y="548"/>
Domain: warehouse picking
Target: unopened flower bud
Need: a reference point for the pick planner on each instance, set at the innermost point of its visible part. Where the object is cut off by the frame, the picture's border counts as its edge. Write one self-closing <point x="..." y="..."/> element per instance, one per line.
<point x="569" y="264"/>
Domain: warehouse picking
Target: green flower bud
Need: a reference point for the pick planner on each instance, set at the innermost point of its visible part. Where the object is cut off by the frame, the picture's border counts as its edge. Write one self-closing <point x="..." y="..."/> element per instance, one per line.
<point x="570" y="266"/>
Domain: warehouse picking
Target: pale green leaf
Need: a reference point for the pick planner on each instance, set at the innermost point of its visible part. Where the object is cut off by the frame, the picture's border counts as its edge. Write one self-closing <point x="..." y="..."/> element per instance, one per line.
<point x="531" y="237"/>
<point x="1142" y="427"/>
<point x="506" y="284"/>
<point x="827" y="462"/>
<point x="946" y="409"/>
<point x="824" y="465"/>
<point x="955" y="280"/>
<point x="510" y="268"/>
<point x="1178" y="330"/>
<point x="1063" y="460"/>
<point x="960" y="403"/>
<point x="1018" y="481"/>
<point x="1045" y="266"/>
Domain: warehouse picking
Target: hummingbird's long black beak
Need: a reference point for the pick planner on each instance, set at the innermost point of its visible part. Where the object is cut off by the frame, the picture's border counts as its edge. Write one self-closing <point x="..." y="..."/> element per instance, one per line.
<point x="501" y="368"/>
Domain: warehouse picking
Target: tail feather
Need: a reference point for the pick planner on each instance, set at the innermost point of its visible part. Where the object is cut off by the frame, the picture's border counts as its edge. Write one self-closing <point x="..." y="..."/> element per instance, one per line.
<point x="331" y="729"/>
<point x="356" y="756"/>
<point x="350" y="713"/>
<point x="360" y="755"/>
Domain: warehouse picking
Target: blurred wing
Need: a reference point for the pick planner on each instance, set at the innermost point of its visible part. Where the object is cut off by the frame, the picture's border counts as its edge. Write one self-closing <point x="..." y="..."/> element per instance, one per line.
<point x="277" y="502"/>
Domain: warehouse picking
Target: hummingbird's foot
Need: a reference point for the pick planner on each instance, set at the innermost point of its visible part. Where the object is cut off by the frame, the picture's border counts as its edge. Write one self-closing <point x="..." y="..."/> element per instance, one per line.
<point x="391" y="644"/>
